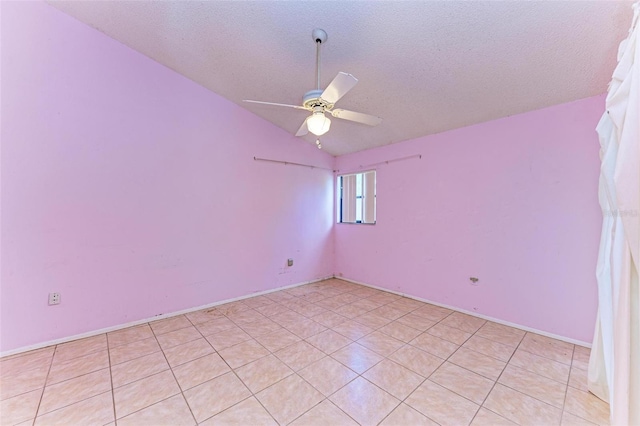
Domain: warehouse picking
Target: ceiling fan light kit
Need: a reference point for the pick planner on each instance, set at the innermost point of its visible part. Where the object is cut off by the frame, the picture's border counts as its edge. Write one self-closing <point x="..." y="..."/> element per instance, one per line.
<point x="319" y="101"/>
<point x="318" y="123"/>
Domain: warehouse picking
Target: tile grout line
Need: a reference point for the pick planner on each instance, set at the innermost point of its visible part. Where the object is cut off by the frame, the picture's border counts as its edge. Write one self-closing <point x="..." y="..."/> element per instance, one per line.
<point x="296" y="373"/>
<point x="326" y="355"/>
<point x="171" y="369"/>
<point x="238" y="377"/>
<point x="496" y="382"/>
<point x="83" y="374"/>
<point x="140" y="356"/>
<point x="361" y="375"/>
<point x="545" y="357"/>
<point x="168" y="364"/>
<point x="72" y="378"/>
<point x="234" y="405"/>
<point x="155" y="403"/>
<point x="444" y="360"/>
<point x="519" y="391"/>
<point x="436" y="369"/>
<point x="403" y="401"/>
<point x="327" y="398"/>
<point x="16" y="374"/>
<point x="113" y="393"/>
<point x="250" y="391"/>
<point x="324" y="398"/>
<point x="44" y="386"/>
<point x="145" y="377"/>
<point x="566" y="389"/>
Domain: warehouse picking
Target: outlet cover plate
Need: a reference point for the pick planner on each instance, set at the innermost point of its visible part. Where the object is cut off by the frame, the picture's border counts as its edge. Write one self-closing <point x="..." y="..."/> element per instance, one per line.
<point x="54" y="298"/>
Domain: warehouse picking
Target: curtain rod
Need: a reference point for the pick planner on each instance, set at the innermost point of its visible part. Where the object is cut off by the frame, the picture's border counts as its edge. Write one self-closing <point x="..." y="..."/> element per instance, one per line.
<point x="419" y="156"/>
<point x="290" y="163"/>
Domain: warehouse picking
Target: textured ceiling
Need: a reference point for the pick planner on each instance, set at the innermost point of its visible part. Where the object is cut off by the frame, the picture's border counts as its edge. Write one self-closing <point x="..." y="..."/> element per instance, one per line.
<point x="424" y="67"/>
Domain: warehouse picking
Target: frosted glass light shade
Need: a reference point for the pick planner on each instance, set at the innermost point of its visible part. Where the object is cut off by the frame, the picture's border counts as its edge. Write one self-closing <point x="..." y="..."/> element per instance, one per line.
<point x="318" y="124"/>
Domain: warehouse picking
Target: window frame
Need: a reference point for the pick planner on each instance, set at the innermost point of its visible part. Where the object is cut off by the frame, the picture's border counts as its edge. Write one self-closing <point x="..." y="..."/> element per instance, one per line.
<point x="340" y="196"/>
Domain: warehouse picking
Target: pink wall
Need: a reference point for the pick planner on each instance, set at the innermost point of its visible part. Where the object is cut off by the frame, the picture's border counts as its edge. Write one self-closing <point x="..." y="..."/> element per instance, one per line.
<point x="133" y="192"/>
<point x="512" y="201"/>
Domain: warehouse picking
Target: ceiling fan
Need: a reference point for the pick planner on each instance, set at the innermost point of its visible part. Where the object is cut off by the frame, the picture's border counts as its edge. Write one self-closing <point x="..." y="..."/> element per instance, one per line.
<point x="319" y="101"/>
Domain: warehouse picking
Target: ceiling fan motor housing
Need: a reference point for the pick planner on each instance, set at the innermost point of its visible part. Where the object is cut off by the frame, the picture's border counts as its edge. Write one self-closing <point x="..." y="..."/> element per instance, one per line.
<point x="312" y="99"/>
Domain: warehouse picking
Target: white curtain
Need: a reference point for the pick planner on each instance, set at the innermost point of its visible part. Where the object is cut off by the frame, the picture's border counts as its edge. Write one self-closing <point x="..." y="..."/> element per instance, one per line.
<point x="614" y="367"/>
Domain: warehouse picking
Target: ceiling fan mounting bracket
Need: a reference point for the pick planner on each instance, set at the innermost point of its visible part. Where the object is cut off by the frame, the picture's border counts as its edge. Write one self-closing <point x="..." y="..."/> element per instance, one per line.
<point x="319" y="35"/>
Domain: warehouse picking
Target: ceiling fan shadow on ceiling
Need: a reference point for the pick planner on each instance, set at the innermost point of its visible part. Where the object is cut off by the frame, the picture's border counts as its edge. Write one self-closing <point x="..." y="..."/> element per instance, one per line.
<point x="320" y="102"/>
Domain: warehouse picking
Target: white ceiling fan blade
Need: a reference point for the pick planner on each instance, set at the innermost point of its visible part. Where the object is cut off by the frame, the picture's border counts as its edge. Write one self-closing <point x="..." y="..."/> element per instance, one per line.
<point x="339" y="87"/>
<point x="274" y="104"/>
<point x="303" y="130"/>
<point x="356" y="116"/>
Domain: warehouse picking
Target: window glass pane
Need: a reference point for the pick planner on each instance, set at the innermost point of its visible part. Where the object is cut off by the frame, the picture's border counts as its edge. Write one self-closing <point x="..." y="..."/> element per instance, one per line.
<point x="358" y="209"/>
<point x="359" y="185"/>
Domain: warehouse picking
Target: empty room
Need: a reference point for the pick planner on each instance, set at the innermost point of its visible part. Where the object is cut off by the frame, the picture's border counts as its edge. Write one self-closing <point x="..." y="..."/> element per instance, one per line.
<point x="319" y="213"/>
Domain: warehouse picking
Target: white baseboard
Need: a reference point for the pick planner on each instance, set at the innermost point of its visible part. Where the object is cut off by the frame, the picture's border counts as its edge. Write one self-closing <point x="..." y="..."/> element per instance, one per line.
<point x="475" y="314"/>
<point x="155" y="318"/>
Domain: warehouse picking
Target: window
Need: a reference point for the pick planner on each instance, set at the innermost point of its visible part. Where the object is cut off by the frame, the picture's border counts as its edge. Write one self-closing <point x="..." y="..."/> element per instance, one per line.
<point x="357" y="198"/>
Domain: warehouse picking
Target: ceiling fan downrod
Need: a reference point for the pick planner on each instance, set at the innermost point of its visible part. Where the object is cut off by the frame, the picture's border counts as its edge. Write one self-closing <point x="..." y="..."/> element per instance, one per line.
<point x="319" y="36"/>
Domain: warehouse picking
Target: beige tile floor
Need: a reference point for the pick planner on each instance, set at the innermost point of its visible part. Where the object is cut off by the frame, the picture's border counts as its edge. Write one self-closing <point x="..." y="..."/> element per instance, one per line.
<point x="328" y="353"/>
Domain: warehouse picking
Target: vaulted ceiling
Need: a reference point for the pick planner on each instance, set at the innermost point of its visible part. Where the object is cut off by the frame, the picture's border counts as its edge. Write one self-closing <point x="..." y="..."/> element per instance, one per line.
<point x="424" y="67"/>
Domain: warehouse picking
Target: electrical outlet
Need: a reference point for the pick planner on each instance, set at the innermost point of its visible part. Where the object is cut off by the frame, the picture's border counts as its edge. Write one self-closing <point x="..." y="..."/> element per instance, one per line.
<point x="289" y="262"/>
<point x="54" y="298"/>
